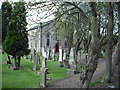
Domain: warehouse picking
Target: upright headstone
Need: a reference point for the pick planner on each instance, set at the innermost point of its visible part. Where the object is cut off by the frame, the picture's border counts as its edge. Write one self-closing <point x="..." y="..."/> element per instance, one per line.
<point x="64" y="55"/>
<point x="65" y="61"/>
<point x="83" y="59"/>
<point x="78" y="59"/>
<point x="43" y="77"/>
<point x="72" y="62"/>
<point x="35" y="67"/>
<point x="38" y="58"/>
<point x="43" y="73"/>
<point x="48" y="53"/>
<point x="43" y="63"/>
<point x="44" y="53"/>
<point x="60" y="57"/>
<point x="53" y="56"/>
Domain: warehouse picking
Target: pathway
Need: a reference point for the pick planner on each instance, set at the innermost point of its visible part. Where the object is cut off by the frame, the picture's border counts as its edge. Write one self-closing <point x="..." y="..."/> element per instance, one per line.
<point x="73" y="81"/>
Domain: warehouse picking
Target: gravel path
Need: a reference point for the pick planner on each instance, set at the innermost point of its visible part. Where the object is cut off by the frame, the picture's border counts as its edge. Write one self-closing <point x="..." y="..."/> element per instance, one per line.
<point x="73" y="81"/>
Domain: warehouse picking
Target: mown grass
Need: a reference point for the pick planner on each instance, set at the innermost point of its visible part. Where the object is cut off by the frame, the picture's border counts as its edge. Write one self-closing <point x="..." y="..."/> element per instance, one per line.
<point x="26" y="77"/>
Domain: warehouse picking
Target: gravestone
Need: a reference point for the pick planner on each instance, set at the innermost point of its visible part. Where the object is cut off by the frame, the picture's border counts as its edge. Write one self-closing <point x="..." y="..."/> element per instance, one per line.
<point x="60" y="58"/>
<point x="64" y="55"/>
<point x="52" y="54"/>
<point x="83" y="59"/>
<point x="44" y="53"/>
<point x="60" y="55"/>
<point x="35" y="67"/>
<point x="44" y="70"/>
<point x="43" y="63"/>
<point x="38" y="59"/>
<point x="47" y="53"/>
<point x="72" y="62"/>
<point x="65" y="61"/>
<point x="33" y="55"/>
<point x="43" y="77"/>
<point x="78" y="59"/>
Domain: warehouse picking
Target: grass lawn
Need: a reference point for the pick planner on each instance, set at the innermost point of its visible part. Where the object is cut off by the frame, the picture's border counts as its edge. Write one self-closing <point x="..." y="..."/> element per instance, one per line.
<point x="26" y="77"/>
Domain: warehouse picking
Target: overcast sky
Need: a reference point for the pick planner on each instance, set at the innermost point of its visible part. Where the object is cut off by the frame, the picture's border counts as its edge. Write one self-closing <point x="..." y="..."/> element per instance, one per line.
<point x="32" y="15"/>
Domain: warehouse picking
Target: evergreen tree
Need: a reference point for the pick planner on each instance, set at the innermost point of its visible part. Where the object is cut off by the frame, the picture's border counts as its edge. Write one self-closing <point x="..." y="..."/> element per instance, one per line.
<point x="16" y="42"/>
<point x="6" y="15"/>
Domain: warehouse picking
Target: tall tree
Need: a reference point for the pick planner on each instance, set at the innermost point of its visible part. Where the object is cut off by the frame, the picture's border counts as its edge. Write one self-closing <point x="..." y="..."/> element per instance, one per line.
<point x="16" y="42"/>
<point x="109" y="41"/>
<point x="6" y="16"/>
<point x="94" y="56"/>
<point x="118" y="55"/>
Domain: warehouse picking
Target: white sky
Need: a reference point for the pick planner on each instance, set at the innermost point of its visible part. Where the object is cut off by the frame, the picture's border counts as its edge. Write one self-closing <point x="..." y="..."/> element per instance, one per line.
<point x="44" y="12"/>
<point x="34" y="14"/>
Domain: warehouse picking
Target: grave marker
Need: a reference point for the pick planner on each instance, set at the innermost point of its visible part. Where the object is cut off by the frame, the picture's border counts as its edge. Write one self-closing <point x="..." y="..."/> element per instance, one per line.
<point x="72" y="62"/>
<point x="60" y="57"/>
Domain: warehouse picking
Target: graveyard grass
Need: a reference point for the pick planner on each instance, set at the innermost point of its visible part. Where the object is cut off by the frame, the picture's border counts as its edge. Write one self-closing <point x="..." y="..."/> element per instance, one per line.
<point x="26" y="77"/>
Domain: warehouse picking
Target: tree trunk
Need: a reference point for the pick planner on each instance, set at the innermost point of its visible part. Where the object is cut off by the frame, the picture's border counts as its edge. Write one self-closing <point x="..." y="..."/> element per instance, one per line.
<point x="109" y="43"/>
<point x="91" y="66"/>
<point x="8" y="59"/>
<point x="14" y="65"/>
<point x="18" y="61"/>
<point x="118" y="50"/>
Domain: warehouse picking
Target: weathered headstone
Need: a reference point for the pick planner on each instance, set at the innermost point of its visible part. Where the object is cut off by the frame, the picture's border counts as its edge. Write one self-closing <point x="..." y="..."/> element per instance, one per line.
<point x="43" y="63"/>
<point x="64" y="55"/>
<point x="44" y="53"/>
<point x="38" y="59"/>
<point x="35" y="67"/>
<point x="65" y="61"/>
<point x="43" y="77"/>
<point x="44" y="70"/>
<point x="53" y="57"/>
<point x="83" y="59"/>
<point x="72" y="62"/>
<point x="78" y="60"/>
<point x="47" y="53"/>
